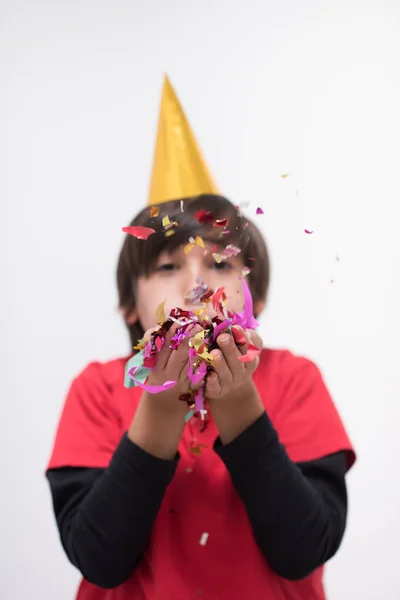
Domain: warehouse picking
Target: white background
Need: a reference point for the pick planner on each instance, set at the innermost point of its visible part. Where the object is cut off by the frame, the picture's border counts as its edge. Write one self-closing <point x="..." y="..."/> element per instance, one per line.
<point x="311" y="88"/>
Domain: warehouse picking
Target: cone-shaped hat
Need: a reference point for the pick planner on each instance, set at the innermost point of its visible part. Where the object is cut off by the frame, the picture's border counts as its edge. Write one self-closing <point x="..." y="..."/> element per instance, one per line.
<point x="179" y="169"/>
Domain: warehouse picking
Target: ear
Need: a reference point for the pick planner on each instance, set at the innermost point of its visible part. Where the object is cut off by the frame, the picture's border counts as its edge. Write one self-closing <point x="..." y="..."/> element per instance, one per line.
<point x="259" y="306"/>
<point x="131" y="318"/>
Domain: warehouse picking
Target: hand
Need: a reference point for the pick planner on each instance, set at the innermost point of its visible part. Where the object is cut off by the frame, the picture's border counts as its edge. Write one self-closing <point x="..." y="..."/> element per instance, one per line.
<point x="230" y="375"/>
<point x="172" y="365"/>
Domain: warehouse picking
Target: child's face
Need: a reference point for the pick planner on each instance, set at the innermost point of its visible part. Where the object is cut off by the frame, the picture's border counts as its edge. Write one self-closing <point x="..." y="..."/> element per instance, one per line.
<point x="175" y="275"/>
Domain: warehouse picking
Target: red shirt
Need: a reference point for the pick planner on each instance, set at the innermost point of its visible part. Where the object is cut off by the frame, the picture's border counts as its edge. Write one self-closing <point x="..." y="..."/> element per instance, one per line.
<point x="230" y="566"/>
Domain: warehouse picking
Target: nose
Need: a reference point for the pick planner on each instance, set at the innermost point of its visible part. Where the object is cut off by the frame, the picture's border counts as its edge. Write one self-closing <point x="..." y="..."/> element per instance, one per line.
<point x="194" y="283"/>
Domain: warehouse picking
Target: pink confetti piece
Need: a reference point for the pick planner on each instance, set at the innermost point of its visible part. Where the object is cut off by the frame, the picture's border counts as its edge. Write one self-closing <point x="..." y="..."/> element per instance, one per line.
<point x="224" y="325"/>
<point x="196" y="377"/>
<point x="199" y="400"/>
<point x="308" y="231"/>
<point x="230" y="251"/>
<point x="246" y="318"/>
<point x="152" y="389"/>
<point x="139" y="232"/>
<point x="259" y="211"/>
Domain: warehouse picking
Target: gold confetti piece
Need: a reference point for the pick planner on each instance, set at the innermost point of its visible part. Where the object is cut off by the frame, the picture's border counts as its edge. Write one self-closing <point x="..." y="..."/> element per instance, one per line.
<point x="197" y="241"/>
<point x="166" y="221"/>
<point x="285" y="175"/>
<point x="154" y="211"/>
<point x="160" y="313"/>
<point x="169" y="233"/>
<point x="197" y="449"/>
<point x="139" y="346"/>
<point x="217" y="257"/>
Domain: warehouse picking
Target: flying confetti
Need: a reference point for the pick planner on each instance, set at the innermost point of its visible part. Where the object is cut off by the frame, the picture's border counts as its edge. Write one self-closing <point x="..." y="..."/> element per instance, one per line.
<point x="139" y="232"/>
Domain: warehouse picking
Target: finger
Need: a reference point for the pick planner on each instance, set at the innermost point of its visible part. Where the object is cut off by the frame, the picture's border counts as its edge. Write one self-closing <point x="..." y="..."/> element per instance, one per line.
<point x="231" y="354"/>
<point x="254" y="338"/>
<point x="165" y="352"/>
<point x="148" y="333"/>
<point x="213" y="385"/>
<point x="221" y="367"/>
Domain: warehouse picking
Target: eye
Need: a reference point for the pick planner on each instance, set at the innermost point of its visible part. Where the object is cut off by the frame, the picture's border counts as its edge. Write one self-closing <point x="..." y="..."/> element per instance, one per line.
<point x="222" y="266"/>
<point x="167" y="267"/>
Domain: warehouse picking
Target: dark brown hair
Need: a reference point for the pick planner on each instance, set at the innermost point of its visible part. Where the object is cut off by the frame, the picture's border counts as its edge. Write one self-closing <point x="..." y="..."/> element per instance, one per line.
<point x="138" y="257"/>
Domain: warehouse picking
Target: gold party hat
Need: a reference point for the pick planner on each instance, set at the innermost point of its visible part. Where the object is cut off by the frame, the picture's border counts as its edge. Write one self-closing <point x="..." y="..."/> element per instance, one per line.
<point x="179" y="170"/>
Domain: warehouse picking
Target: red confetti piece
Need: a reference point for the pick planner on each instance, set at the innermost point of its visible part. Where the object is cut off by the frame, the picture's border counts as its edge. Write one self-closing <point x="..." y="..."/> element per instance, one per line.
<point x="239" y="336"/>
<point x="259" y="211"/>
<point x="141" y="233"/>
<point x="308" y="231"/>
<point x="218" y="298"/>
<point x="204" y="216"/>
<point x="252" y="352"/>
<point x="221" y="223"/>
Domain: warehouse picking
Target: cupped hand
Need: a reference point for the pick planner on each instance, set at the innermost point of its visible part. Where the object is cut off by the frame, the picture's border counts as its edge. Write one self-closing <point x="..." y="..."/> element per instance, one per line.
<point x="229" y="375"/>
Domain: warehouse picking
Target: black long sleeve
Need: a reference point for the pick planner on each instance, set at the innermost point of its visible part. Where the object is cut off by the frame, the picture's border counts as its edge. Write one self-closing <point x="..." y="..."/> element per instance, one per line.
<point x="105" y="516"/>
<point x="297" y="511"/>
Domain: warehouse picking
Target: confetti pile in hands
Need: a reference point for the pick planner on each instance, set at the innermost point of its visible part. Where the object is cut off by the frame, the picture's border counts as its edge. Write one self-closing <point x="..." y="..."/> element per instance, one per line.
<point x="200" y="359"/>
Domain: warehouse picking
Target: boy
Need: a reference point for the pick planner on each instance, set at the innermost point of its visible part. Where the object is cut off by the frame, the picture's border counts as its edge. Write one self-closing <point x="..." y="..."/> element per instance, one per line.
<point x="149" y="507"/>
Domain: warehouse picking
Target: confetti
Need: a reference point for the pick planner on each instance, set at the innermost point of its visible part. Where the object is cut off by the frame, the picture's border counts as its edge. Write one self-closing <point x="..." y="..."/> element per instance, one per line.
<point x="217" y="257"/>
<point x="154" y="211"/>
<point x="139" y="232"/>
<point x="259" y="211"/>
<point x="239" y="336"/>
<point x="204" y="217"/>
<point x="197" y="241"/>
<point x="245" y="271"/>
<point x="221" y="223"/>
<point x="203" y="539"/>
<point x="285" y="175"/>
<point x="160" y="313"/>
<point x="152" y="389"/>
<point x="197" y="449"/>
<point x="169" y="233"/>
<point x="252" y="352"/>
<point x="197" y="293"/>
<point x="308" y="231"/>
<point x="218" y="299"/>
<point x="200" y="359"/>
<point x="182" y="206"/>
<point x="230" y="251"/>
